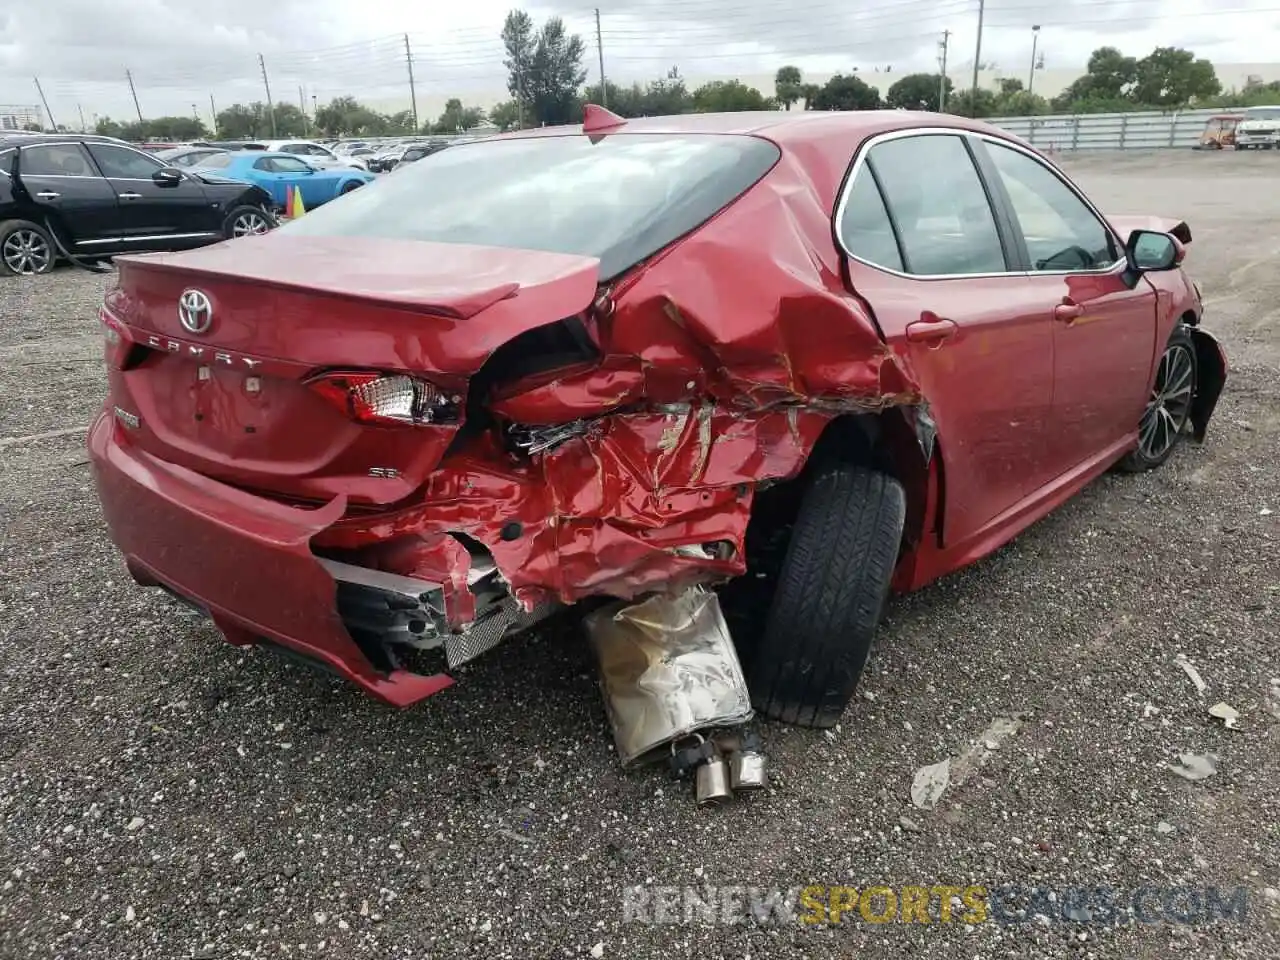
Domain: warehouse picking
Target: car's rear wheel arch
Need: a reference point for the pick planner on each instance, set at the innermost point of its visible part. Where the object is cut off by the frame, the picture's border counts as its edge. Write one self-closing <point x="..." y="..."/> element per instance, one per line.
<point x="889" y="443"/>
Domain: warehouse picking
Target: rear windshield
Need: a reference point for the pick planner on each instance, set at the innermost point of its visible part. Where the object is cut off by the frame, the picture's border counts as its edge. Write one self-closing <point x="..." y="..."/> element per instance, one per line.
<point x="621" y="199"/>
<point x="1262" y="113"/>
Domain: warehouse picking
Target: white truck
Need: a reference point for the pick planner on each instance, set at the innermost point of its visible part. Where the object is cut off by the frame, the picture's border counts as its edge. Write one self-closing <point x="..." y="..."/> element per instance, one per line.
<point x="1259" y="130"/>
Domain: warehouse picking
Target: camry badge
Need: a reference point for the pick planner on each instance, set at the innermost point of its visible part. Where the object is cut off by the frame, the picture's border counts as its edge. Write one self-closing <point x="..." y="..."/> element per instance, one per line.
<point x="195" y="312"/>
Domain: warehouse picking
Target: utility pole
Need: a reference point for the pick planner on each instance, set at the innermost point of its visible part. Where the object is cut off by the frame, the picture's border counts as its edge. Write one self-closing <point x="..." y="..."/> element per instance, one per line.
<point x="47" y="112"/>
<point x="213" y="112"/>
<point x="977" y="61"/>
<point x="519" y="96"/>
<point x="83" y="127"/>
<point x="271" y="110"/>
<point x="1035" y="38"/>
<point x="604" y="89"/>
<point x="302" y="105"/>
<point x="943" y="44"/>
<point x="195" y="113"/>
<point x="413" y="93"/>
<point x="128" y="75"/>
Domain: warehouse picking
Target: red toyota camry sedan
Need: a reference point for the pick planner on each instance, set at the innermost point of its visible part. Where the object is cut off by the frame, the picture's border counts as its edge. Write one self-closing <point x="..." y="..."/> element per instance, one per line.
<point x="837" y="353"/>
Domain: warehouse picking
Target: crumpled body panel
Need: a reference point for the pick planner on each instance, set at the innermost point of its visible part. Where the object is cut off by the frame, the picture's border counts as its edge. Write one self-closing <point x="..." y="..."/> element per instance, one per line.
<point x="723" y="361"/>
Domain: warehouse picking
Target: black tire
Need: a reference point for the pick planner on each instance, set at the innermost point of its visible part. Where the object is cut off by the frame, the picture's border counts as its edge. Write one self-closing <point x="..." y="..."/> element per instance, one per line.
<point x="241" y="215"/>
<point x="26" y="249"/>
<point x="349" y="186"/>
<point x="830" y="594"/>
<point x="1148" y="456"/>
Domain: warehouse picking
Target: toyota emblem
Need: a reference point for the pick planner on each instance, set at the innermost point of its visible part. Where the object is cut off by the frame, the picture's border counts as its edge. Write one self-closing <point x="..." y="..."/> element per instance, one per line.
<point x="195" y="312"/>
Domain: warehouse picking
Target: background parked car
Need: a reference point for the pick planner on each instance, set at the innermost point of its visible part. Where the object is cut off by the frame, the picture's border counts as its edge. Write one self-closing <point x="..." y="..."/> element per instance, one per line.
<point x="277" y="172"/>
<point x="316" y="155"/>
<point x="415" y="152"/>
<point x="93" y="197"/>
<point x="187" y="156"/>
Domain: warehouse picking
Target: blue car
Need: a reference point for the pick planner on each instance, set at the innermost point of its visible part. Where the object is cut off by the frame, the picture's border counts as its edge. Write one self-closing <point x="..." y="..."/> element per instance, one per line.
<point x="276" y="173"/>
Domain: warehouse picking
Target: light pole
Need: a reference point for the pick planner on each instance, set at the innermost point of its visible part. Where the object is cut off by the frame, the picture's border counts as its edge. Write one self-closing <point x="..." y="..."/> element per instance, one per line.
<point x="1035" y="37"/>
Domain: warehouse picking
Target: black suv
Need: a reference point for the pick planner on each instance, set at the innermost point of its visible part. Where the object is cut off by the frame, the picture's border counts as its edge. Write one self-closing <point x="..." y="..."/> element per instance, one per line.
<point x="89" y="198"/>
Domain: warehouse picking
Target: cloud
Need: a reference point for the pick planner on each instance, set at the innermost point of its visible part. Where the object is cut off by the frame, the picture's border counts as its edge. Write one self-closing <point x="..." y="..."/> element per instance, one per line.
<point x="182" y="53"/>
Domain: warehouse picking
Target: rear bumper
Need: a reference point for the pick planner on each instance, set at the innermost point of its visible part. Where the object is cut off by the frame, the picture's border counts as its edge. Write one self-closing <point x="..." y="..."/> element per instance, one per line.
<point x="246" y="561"/>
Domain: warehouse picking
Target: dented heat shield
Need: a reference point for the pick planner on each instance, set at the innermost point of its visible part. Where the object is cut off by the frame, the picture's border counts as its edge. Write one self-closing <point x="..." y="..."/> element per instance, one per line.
<point x="668" y="668"/>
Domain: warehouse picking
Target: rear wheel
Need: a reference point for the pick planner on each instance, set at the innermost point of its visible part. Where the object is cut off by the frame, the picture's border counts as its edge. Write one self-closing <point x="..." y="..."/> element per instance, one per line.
<point x="349" y="186"/>
<point x="247" y="221"/>
<point x="25" y="248"/>
<point x="831" y="591"/>
<point x="1168" y="409"/>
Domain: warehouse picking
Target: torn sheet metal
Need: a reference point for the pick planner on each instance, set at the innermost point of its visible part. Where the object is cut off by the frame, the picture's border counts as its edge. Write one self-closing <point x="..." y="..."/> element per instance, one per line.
<point x="668" y="668"/>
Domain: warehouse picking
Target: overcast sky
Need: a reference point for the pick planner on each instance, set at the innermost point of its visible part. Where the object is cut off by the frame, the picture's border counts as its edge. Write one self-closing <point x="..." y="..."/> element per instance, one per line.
<point x="182" y="51"/>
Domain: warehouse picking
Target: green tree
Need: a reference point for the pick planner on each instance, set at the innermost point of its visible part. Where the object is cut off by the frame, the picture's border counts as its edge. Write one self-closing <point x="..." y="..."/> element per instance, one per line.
<point x="505" y="116"/>
<point x="1171" y="77"/>
<point x="1110" y="75"/>
<point x="245" y="121"/>
<point x="174" y="128"/>
<point x="917" y="91"/>
<point x="845" y="92"/>
<point x="1021" y="103"/>
<point x="544" y="67"/>
<point x="624" y="101"/>
<point x="106" y="127"/>
<point x="290" y="121"/>
<point x="965" y="104"/>
<point x="729" y="96"/>
<point x="666" y="96"/>
<point x="346" y="116"/>
<point x="456" y="117"/>
<point x="787" y="84"/>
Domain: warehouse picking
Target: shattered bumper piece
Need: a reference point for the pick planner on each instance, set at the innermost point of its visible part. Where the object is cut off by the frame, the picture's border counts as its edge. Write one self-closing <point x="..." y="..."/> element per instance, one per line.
<point x="247" y="564"/>
<point x="668" y="668"/>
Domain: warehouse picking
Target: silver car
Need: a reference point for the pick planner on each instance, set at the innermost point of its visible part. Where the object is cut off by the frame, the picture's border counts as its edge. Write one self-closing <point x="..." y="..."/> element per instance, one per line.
<point x="315" y="154"/>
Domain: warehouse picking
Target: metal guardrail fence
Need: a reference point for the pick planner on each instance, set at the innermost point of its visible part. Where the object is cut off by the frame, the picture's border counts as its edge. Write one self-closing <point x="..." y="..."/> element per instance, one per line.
<point x="1110" y="131"/>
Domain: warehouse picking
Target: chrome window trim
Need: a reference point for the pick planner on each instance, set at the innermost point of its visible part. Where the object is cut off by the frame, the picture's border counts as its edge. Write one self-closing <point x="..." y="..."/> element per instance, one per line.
<point x="860" y="161"/>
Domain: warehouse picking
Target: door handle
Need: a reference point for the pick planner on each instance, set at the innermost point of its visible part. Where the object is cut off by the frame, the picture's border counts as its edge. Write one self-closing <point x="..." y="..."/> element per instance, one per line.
<point x="130" y="196"/>
<point x="1067" y="311"/>
<point x="931" y="329"/>
<point x="48" y="195"/>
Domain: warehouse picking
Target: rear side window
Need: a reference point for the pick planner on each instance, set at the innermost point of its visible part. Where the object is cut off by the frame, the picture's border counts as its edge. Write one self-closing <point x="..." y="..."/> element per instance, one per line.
<point x="621" y="198"/>
<point x="57" y="160"/>
<point x="865" y="229"/>
<point x="939" y="206"/>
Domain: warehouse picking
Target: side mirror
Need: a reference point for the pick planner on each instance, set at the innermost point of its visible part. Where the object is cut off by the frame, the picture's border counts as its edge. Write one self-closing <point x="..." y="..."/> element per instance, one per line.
<point x="1151" y="251"/>
<point x="167" y="176"/>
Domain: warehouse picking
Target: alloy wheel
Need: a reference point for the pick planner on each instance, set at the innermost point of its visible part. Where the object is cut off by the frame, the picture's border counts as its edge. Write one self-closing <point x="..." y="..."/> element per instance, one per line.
<point x="1169" y="408"/>
<point x="250" y="225"/>
<point x="27" y="252"/>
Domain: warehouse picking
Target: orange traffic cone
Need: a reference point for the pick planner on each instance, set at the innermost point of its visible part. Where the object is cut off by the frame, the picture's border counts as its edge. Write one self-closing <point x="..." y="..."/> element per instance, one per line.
<point x="294" y="207"/>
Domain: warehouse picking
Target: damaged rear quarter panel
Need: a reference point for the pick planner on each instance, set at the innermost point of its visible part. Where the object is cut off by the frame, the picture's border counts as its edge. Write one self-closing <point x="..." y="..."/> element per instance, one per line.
<point x="723" y="361"/>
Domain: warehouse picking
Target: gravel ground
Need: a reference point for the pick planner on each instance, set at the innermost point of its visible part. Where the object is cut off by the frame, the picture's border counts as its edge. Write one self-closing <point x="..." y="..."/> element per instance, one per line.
<point x="165" y="795"/>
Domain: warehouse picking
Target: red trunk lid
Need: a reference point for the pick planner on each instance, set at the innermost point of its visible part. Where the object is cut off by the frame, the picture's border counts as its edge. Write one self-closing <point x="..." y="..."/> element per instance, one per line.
<point x="232" y="401"/>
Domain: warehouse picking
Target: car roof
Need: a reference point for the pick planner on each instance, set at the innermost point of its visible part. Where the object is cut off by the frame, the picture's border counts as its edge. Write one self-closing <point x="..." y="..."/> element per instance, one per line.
<point x="785" y="127"/>
<point x="20" y="138"/>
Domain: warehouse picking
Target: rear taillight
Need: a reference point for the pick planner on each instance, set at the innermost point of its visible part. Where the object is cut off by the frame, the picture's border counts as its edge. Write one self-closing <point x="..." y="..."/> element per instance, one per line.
<point x="117" y="346"/>
<point x="387" y="398"/>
